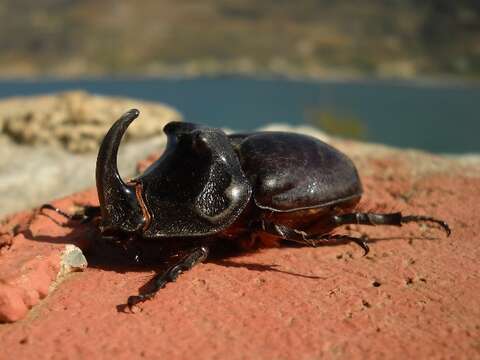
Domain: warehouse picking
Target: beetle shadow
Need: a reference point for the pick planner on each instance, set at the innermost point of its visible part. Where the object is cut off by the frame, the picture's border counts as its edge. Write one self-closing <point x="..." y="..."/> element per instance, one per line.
<point x="224" y="254"/>
<point x="86" y="237"/>
<point x="219" y="255"/>
<point x="408" y="238"/>
<point x="79" y="233"/>
<point x="111" y="257"/>
<point x="107" y="256"/>
<point x="100" y="254"/>
<point x="261" y="268"/>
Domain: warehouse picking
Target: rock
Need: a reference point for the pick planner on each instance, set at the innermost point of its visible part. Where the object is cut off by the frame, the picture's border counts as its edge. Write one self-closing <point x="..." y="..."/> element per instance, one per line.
<point x="414" y="295"/>
<point x="72" y="260"/>
<point x="41" y="168"/>
<point x="30" y="269"/>
<point x="31" y="176"/>
<point x="76" y="120"/>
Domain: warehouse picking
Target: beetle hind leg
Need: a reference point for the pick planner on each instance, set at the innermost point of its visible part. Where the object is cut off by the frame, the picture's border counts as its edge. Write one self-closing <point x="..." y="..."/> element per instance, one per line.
<point x="420" y="219"/>
<point x="326" y="238"/>
<point x="304" y="238"/>
<point x="194" y="257"/>
<point x="395" y="219"/>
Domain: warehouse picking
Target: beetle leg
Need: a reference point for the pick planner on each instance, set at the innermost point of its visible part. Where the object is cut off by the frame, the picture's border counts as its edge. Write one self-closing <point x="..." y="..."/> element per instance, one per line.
<point x="194" y="257"/>
<point x="286" y="233"/>
<point x="87" y="215"/>
<point x="396" y="219"/>
<point x="304" y="238"/>
<point x="338" y="237"/>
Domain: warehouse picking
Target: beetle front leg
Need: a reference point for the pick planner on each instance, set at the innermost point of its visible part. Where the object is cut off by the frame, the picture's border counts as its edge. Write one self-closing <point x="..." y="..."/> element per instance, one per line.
<point x="194" y="257"/>
<point x="88" y="213"/>
<point x="396" y="219"/>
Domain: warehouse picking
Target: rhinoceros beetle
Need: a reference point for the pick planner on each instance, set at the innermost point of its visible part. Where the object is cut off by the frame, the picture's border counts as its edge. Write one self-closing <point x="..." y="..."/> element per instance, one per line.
<point x="265" y="187"/>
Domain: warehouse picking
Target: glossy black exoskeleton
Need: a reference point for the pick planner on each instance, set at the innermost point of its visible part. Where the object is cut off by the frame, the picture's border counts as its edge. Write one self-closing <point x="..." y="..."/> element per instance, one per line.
<point x="258" y="189"/>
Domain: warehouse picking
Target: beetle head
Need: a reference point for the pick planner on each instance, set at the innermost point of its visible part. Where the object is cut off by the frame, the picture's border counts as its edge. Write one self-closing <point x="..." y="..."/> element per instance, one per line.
<point x="197" y="187"/>
<point x="120" y="209"/>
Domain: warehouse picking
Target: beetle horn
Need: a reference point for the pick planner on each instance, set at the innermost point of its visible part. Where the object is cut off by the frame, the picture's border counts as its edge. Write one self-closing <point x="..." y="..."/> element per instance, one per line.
<point x="119" y="207"/>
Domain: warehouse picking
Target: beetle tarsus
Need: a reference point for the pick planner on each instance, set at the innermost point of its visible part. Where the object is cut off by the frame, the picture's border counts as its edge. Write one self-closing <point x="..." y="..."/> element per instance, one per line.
<point x="325" y="238"/>
<point x="194" y="257"/>
<point x="136" y="299"/>
<point x="396" y="219"/>
<point x="420" y="218"/>
<point x="362" y="243"/>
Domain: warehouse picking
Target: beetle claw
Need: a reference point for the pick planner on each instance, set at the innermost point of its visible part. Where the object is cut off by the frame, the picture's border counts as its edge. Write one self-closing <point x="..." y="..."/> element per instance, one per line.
<point x="419" y="218"/>
<point x="444" y="226"/>
<point x="363" y="244"/>
<point x="134" y="300"/>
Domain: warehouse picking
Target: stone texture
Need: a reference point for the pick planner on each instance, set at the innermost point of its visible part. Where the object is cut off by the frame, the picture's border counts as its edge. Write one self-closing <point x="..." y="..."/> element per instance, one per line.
<point x="414" y="295"/>
<point x="77" y="120"/>
<point x="72" y="259"/>
<point x="33" y="262"/>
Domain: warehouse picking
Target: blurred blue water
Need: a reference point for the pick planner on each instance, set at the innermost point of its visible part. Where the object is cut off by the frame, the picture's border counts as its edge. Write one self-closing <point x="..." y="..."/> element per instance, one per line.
<point x="437" y="118"/>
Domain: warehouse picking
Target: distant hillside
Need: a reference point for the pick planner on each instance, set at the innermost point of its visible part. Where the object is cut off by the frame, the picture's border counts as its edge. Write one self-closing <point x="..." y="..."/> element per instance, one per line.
<point x="401" y="38"/>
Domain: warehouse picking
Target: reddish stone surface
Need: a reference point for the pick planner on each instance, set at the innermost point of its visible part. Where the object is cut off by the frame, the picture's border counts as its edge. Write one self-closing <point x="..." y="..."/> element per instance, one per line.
<point x="31" y="246"/>
<point x="414" y="295"/>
